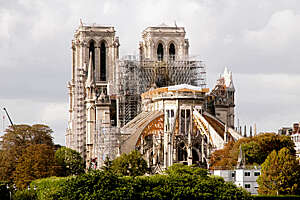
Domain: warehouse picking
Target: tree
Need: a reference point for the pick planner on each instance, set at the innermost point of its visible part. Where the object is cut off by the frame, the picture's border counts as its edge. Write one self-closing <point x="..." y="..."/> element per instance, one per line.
<point x="280" y="174"/>
<point x="132" y="164"/>
<point x="70" y="161"/>
<point x="37" y="161"/>
<point x="222" y="159"/>
<point x="15" y="140"/>
<point x="181" y="169"/>
<point x="256" y="149"/>
<point x="259" y="147"/>
<point x="181" y="182"/>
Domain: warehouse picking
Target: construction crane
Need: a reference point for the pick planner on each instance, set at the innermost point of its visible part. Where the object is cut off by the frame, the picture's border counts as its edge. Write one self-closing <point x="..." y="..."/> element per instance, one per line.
<point x="8" y="116"/>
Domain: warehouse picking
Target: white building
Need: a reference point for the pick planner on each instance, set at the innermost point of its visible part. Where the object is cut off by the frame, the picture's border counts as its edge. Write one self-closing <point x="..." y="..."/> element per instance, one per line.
<point x="296" y="138"/>
<point x="245" y="178"/>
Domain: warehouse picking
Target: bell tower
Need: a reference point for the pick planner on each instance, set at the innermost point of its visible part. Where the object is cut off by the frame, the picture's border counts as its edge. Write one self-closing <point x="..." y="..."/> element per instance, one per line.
<point x="95" y="50"/>
<point x="223" y="94"/>
<point x="164" y="43"/>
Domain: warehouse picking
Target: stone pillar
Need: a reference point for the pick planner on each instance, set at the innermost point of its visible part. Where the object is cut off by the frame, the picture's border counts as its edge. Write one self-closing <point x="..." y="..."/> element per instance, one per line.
<point x="170" y="151"/>
<point x="202" y="149"/>
<point x="142" y="145"/>
<point x="97" y="63"/>
<point x="190" y="145"/>
<point x="90" y="126"/>
<point x="103" y="121"/>
<point x="154" y="151"/>
<point x="166" y="135"/>
<point x="189" y="150"/>
<point x="159" y="147"/>
<point x="225" y="135"/>
<point x="148" y="158"/>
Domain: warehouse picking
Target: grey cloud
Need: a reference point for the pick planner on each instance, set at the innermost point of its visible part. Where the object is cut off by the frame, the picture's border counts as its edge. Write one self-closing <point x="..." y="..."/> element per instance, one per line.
<point x="36" y="57"/>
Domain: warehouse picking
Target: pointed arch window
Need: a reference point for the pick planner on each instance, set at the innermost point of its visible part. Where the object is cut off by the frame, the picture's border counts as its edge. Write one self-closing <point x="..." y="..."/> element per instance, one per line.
<point x="172" y="52"/>
<point x="92" y="50"/>
<point x="102" y="61"/>
<point x="160" y="52"/>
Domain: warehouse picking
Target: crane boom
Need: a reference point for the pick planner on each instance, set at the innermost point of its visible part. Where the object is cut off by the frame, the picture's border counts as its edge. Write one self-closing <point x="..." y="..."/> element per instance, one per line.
<point x="8" y="116"/>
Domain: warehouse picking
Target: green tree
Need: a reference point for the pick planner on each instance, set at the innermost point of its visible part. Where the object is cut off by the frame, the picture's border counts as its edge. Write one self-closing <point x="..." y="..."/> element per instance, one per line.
<point x="256" y="149"/>
<point x="15" y="140"/>
<point x="37" y="161"/>
<point x="70" y="161"/>
<point x="181" y="169"/>
<point x="181" y="182"/>
<point x="259" y="147"/>
<point x="131" y="164"/>
<point x="280" y="174"/>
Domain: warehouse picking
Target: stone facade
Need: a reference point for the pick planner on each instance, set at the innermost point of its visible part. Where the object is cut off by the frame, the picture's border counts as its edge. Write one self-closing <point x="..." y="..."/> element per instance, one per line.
<point x="95" y="50"/>
<point x="174" y="127"/>
<point x="164" y="43"/>
<point x="188" y="125"/>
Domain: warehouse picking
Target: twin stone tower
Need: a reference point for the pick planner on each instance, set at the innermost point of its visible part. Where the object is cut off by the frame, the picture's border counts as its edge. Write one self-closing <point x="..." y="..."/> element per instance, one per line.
<point x="156" y="102"/>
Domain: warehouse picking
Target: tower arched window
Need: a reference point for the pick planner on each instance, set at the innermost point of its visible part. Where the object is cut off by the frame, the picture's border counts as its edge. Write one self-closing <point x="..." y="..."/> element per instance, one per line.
<point x="172" y="52"/>
<point x="92" y="50"/>
<point x="102" y="61"/>
<point x="160" y="52"/>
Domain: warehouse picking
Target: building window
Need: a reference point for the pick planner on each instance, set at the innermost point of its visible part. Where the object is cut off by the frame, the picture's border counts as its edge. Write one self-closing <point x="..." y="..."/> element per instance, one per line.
<point x="247" y="173"/>
<point x="102" y="62"/>
<point x="256" y="173"/>
<point x="92" y="52"/>
<point x="247" y="186"/>
<point x="185" y="121"/>
<point x="160" y="52"/>
<point x="172" y="52"/>
<point x="233" y="174"/>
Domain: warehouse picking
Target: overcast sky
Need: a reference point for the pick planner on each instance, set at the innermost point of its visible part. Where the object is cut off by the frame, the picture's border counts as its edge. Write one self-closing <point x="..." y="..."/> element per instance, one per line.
<point x="258" y="40"/>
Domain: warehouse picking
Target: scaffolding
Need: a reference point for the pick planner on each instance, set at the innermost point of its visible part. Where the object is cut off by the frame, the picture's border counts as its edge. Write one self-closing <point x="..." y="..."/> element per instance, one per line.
<point x="76" y="131"/>
<point x="106" y="143"/>
<point x="136" y="77"/>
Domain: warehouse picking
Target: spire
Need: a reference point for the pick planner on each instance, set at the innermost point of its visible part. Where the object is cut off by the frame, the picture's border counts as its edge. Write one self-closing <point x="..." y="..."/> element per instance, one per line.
<point x="241" y="159"/>
<point x="227" y="75"/>
<point x="90" y="78"/>
<point x="225" y="134"/>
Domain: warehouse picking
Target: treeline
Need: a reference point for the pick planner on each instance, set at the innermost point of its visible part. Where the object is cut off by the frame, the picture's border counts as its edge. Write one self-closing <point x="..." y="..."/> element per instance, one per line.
<point x="275" y="154"/>
<point x="255" y="150"/>
<point x="178" y="182"/>
<point x="28" y="153"/>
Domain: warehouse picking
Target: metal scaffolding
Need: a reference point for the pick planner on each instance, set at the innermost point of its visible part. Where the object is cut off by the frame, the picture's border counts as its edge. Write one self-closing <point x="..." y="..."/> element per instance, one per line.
<point x="76" y="139"/>
<point x="106" y="143"/>
<point x="136" y="77"/>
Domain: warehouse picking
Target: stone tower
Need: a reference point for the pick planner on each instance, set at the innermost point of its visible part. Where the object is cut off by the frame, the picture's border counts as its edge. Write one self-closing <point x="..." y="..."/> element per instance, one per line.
<point x="95" y="50"/>
<point x="223" y="94"/>
<point x="164" y="43"/>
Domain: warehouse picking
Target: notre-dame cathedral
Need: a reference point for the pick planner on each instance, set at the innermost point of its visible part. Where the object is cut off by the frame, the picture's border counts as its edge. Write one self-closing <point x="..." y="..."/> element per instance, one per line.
<point x="156" y="102"/>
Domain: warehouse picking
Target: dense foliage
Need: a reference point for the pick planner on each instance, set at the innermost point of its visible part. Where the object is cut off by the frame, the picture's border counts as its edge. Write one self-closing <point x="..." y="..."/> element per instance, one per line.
<point x="37" y="161"/>
<point x="179" y="182"/>
<point x="47" y="187"/>
<point x="24" y="195"/>
<point x="280" y="174"/>
<point x="28" y="153"/>
<point x="15" y="141"/>
<point x="256" y="149"/>
<point x="131" y="164"/>
<point x="70" y="162"/>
